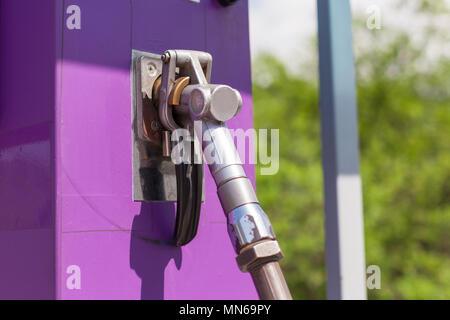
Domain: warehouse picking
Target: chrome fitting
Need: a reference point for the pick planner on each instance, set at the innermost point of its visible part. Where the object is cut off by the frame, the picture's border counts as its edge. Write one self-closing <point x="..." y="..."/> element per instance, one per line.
<point x="226" y="174"/>
<point x="248" y="224"/>
<point x="210" y="102"/>
<point x="236" y="193"/>
<point x="259" y="254"/>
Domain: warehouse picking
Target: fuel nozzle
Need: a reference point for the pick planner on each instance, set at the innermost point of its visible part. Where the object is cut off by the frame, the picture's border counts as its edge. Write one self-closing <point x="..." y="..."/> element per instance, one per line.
<point x="187" y="100"/>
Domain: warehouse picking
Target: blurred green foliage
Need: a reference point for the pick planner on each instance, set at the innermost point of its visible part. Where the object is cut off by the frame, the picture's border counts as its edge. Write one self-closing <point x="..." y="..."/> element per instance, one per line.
<point x="404" y="121"/>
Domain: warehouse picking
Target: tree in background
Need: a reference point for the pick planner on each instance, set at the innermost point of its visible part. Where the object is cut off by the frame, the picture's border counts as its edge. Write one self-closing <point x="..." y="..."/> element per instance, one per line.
<point x="404" y="120"/>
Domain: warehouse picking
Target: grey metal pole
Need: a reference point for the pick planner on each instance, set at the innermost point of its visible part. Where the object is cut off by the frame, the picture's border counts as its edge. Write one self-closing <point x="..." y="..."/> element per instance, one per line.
<point x="344" y="240"/>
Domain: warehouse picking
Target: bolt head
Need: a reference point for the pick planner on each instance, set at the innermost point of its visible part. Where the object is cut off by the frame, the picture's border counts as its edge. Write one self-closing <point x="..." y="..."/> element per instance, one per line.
<point x="264" y="251"/>
<point x="155" y="125"/>
<point x="165" y="57"/>
<point x="152" y="70"/>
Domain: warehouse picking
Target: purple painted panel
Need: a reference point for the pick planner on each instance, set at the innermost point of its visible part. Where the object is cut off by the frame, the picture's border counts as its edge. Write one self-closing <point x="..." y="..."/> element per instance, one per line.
<point x="104" y="38"/>
<point x="95" y="148"/>
<point x="27" y="264"/>
<point x="27" y="57"/>
<point x="140" y="269"/>
<point x="171" y="24"/>
<point x="73" y="126"/>
<point x="26" y="178"/>
<point x="101" y="225"/>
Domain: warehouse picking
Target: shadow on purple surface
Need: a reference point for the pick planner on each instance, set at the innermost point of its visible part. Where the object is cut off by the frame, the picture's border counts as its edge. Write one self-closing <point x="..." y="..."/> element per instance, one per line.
<point x="151" y="249"/>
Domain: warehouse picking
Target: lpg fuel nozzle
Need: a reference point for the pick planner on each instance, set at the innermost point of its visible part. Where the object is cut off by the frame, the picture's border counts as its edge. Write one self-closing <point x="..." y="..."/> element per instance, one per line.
<point x="187" y="100"/>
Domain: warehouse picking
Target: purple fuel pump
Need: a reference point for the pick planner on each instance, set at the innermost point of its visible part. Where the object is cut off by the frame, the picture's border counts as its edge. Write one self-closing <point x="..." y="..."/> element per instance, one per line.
<point x="72" y="225"/>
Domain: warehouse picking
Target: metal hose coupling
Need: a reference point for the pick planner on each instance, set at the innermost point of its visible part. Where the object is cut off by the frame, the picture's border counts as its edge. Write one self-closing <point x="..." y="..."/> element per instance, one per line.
<point x="258" y="251"/>
<point x="248" y="224"/>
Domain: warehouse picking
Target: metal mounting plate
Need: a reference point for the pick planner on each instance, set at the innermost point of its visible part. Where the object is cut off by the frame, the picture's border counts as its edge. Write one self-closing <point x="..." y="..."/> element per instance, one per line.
<point x="153" y="175"/>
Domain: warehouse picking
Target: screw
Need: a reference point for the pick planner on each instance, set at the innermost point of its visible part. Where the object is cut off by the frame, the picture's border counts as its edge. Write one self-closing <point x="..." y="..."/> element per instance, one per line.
<point x="152" y="69"/>
<point x="165" y="57"/>
<point x="154" y="125"/>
